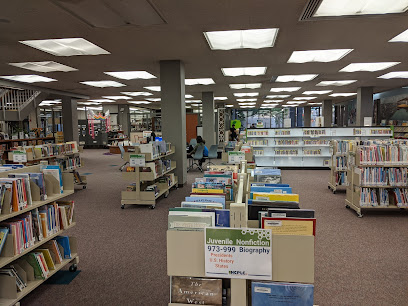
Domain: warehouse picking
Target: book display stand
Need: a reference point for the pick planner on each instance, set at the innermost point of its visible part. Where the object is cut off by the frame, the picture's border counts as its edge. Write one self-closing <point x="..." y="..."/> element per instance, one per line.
<point x="9" y="295"/>
<point x="339" y="163"/>
<point x="378" y="176"/>
<point x="292" y="255"/>
<point x="161" y="178"/>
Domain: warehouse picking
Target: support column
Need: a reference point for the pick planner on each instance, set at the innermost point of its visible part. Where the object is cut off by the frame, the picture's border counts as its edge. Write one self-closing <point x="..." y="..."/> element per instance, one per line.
<point x="124" y="118"/>
<point x="208" y="118"/>
<point x="327" y="113"/>
<point x="173" y="109"/>
<point x="364" y="107"/>
<point x="299" y="117"/>
<point x="70" y="119"/>
<point x="307" y="117"/>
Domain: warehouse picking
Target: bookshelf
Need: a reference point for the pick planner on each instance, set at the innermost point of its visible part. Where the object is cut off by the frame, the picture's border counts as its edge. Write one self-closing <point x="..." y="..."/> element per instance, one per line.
<point x="400" y="131"/>
<point x="156" y="171"/>
<point x="9" y="295"/>
<point x="304" y="147"/>
<point x="378" y="176"/>
<point x="7" y="144"/>
<point x="339" y="163"/>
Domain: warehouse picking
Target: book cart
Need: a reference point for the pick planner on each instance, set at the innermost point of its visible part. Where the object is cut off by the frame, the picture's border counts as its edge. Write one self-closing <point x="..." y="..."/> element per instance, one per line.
<point x="292" y="256"/>
<point x="374" y="178"/>
<point x="140" y="178"/>
<point x="339" y="164"/>
<point x="8" y="291"/>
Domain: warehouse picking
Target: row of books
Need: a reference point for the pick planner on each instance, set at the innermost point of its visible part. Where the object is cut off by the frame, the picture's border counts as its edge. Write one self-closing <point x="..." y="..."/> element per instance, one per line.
<point x="215" y="183"/>
<point x="341" y="178"/>
<point x="211" y="291"/>
<point x="287" y="142"/>
<point x="282" y="132"/>
<point x="69" y="162"/>
<point x="383" y="154"/>
<point x="380" y="132"/>
<point x="340" y="162"/>
<point x="379" y="176"/>
<point x="314" y="132"/>
<point x="286" y="152"/>
<point x="49" y="149"/>
<point x="262" y="142"/>
<point x="258" y="133"/>
<point x="168" y="179"/>
<point x="314" y="142"/>
<point x="372" y="197"/>
<point x="258" y="152"/>
<point x="340" y="146"/>
<point x="312" y="152"/>
<point x="29" y="228"/>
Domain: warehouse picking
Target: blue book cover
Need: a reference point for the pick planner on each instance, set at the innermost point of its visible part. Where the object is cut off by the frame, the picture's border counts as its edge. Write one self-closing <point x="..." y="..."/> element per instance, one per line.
<point x="266" y="294"/>
<point x="38" y="179"/>
<point x="269" y="185"/>
<point x="13" y="166"/>
<point x="3" y="237"/>
<point x="267" y="172"/>
<point x="207" y="200"/>
<point x="64" y="242"/>
<point x="271" y="189"/>
<point x="57" y="167"/>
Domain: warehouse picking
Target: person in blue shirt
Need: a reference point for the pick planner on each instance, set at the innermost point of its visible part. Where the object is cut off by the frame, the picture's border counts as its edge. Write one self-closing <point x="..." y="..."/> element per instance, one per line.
<point x="200" y="143"/>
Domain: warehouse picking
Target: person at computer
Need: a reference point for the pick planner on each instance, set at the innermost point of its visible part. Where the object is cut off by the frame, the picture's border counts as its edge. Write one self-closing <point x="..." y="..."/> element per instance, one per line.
<point x="200" y="143"/>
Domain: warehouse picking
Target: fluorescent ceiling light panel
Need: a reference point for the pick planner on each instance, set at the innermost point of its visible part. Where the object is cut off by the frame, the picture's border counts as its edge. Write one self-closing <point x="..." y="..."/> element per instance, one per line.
<point x="43" y="66"/>
<point x="245" y="86"/>
<point x="316" y="103"/>
<point x="336" y="83"/>
<point x="323" y="56"/>
<point x="220" y="98"/>
<point x="193" y="101"/>
<point x="343" y="94"/>
<point x="229" y="105"/>
<point x="27" y="78"/>
<point x="304" y="98"/>
<point x="88" y="103"/>
<point x="65" y="46"/>
<point x="131" y="75"/>
<point x="188" y="96"/>
<point x="288" y="105"/>
<point x="277" y="96"/>
<point x="202" y="81"/>
<point x="139" y="102"/>
<point x="273" y="101"/>
<point x="395" y="75"/>
<point x="246" y="94"/>
<point x="116" y="97"/>
<point x="239" y="71"/>
<point x="246" y="100"/>
<point x="241" y="39"/>
<point x="296" y="78"/>
<point x="247" y="106"/>
<point x="269" y="105"/>
<point x="316" y="92"/>
<point x="251" y="103"/>
<point x="154" y="99"/>
<point x="403" y="37"/>
<point x="360" y="7"/>
<point x="101" y="100"/>
<point x="153" y="88"/>
<point x="368" y="66"/>
<point x="296" y="102"/>
<point x="103" y="84"/>
<point x="285" y="89"/>
<point x="137" y="93"/>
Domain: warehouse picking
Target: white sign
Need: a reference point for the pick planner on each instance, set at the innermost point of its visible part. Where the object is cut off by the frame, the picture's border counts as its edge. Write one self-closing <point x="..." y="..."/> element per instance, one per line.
<point x="235" y="157"/>
<point x="368" y="121"/>
<point x="137" y="160"/>
<point x="244" y="253"/>
<point x="19" y="157"/>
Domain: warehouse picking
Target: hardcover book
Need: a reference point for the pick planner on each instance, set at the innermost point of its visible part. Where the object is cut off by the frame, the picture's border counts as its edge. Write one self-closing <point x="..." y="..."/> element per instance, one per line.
<point x="197" y="291"/>
<point x="207" y="199"/>
<point x="255" y="206"/>
<point x="290" y="213"/>
<point x="222" y="216"/>
<point x="290" y="226"/>
<point x="266" y="294"/>
<point x="189" y="223"/>
<point x="202" y="205"/>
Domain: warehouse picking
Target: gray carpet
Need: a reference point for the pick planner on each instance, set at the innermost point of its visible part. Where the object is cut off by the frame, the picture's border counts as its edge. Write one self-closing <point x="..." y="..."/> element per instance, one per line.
<point x="123" y="252"/>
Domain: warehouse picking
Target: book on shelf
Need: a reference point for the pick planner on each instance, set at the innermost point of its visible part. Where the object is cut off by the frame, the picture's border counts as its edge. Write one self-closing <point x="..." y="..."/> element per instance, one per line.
<point x="290" y="226"/>
<point x="314" y="132"/>
<point x="274" y="197"/>
<point x="282" y="132"/>
<point x="290" y="213"/>
<point x="272" y="293"/>
<point x="63" y="241"/>
<point x="199" y="291"/>
<point x="271" y="189"/>
<point x="11" y="271"/>
<point x="212" y="199"/>
<point x="190" y="220"/>
<point x="39" y="181"/>
<point x="222" y="216"/>
<point x="55" y="171"/>
<point x="202" y="205"/>
<point x="262" y="184"/>
<point x="287" y="142"/>
<point x="55" y="251"/>
<point x="3" y="236"/>
<point x="254" y="207"/>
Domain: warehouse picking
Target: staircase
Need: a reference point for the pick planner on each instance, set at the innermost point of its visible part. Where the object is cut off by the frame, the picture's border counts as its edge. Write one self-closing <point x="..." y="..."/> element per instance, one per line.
<point x="16" y="104"/>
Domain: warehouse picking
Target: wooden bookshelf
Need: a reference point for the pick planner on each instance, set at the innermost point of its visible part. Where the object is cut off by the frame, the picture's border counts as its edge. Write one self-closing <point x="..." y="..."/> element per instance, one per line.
<point x="8" y="292"/>
<point x="142" y="197"/>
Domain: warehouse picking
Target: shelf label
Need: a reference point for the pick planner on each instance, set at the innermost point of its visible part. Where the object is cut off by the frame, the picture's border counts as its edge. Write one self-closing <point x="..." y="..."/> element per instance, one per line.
<point x="244" y="253"/>
<point x="19" y="157"/>
<point x="137" y="160"/>
<point x="235" y="157"/>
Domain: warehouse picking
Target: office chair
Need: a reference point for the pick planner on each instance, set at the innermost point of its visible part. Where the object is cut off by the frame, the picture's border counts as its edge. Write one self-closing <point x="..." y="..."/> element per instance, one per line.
<point x="122" y="155"/>
<point x="193" y="142"/>
<point x="212" y="154"/>
<point x="198" y="155"/>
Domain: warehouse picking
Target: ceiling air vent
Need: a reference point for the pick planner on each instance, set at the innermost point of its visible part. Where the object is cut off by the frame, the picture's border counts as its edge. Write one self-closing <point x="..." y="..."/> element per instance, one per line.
<point x="310" y="9"/>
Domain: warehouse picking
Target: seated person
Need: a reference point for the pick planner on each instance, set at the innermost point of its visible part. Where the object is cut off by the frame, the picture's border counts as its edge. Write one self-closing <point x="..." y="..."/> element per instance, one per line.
<point x="233" y="136"/>
<point x="200" y="143"/>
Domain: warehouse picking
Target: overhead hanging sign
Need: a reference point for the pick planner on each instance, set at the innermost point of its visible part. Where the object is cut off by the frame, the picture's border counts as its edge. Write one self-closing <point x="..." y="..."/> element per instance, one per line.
<point x="243" y="253"/>
<point x="19" y="157"/>
<point x="137" y="160"/>
<point x="235" y="157"/>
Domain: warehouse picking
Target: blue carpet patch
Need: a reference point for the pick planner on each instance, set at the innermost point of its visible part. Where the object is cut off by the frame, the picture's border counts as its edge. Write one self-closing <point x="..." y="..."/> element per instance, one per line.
<point x="62" y="277"/>
<point x="87" y="173"/>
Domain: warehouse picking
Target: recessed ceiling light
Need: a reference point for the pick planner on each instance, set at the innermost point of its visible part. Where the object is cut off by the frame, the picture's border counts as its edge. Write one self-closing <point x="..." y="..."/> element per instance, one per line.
<point x="89" y="103"/>
<point x="137" y="93"/>
<point x="247" y="106"/>
<point x="202" y="81"/>
<point x="189" y="96"/>
<point x="153" y="88"/>
<point x="188" y="106"/>
<point x="43" y="66"/>
<point x="395" y="75"/>
<point x="246" y="100"/>
<point x="336" y="83"/>
<point x="154" y="99"/>
<point x="403" y="37"/>
<point x="296" y="102"/>
<point x="66" y="46"/>
<point x="131" y="75"/>
<point x="245" y="86"/>
<point x="103" y="84"/>
<point x="304" y="98"/>
<point x="269" y="105"/>
<point x="288" y="105"/>
<point x="229" y="105"/>
<point x="249" y="103"/>
<point x="315" y="103"/>
<point x="316" y="92"/>
<point x="139" y="102"/>
<point x="220" y="98"/>
<point x="324" y="56"/>
<point x="193" y="101"/>
<point x="273" y="101"/>
<point x="195" y="104"/>
<point x="102" y="100"/>
<point x="278" y="96"/>
<point x="285" y="89"/>
<point x="27" y="78"/>
<point x="241" y="39"/>
<point x="251" y="71"/>
<point x="368" y="66"/>
<point x="296" y="78"/>
<point x="246" y="94"/>
<point x="360" y="7"/>
<point x="343" y="94"/>
<point x="116" y="97"/>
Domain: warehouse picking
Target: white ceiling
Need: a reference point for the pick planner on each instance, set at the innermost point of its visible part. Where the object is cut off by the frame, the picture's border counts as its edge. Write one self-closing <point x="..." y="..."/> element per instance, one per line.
<point x="181" y="37"/>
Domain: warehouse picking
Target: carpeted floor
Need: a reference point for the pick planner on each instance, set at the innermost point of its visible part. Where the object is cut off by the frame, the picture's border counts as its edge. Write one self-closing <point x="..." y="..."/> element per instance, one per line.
<point x="359" y="261"/>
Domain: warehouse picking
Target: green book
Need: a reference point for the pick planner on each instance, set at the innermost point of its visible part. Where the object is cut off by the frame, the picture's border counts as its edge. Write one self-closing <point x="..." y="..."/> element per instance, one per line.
<point x="31" y="258"/>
